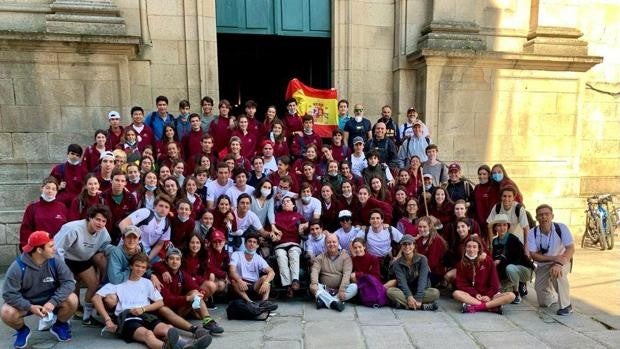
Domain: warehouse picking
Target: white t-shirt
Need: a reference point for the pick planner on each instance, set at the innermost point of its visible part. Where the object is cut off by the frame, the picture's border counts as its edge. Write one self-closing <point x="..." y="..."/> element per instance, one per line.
<point x="248" y="270"/>
<point x="151" y="232"/>
<point x="345" y="239"/>
<point x="313" y="208"/>
<point x="234" y="193"/>
<point x="315" y="247"/>
<point x="358" y="164"/>
<point x="131" y="294"/>
<point x="250" y="219"/>
<point x="379" y="244"/>
<point x="516" y="223"/>
<point x="214" y="189"/>
<point x="552" y="242"/>
<point x="270" y="166"/>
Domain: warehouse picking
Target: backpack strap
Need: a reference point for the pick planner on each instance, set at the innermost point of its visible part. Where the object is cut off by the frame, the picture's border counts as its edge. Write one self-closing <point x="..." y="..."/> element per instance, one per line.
<point x="518" y="210"/>
<point x="50" y="262"/>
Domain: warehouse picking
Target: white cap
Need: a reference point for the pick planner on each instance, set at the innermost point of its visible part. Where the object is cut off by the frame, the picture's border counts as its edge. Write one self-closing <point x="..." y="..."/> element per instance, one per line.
<point x="345" y="213"/>
<point x="114" y="115"/>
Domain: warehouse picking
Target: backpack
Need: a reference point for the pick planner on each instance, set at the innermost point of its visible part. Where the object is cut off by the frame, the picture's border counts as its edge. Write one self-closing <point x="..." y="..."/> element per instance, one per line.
<point x="50" y="262"/>
<point x="148" y="219"/>
<point x="558" y="232"/>
<point x="395" y="245"/>
<point x="371" y="291"/>
<point x="530" y="220"/>
<point x="239" y="309"/>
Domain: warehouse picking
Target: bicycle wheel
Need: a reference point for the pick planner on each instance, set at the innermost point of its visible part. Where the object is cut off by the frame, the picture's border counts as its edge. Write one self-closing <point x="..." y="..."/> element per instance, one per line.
<point x="591" y="232"/>
<point x="602" y="237"/>
<point x="610" y="240"/>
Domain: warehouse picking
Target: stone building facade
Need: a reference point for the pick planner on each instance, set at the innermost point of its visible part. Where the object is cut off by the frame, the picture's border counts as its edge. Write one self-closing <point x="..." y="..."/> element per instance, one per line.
<point x="533" y="84"/>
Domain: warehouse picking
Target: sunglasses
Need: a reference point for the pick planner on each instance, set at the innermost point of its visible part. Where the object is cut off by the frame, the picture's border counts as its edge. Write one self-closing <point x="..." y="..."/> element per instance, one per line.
<point x="345" y="219"/>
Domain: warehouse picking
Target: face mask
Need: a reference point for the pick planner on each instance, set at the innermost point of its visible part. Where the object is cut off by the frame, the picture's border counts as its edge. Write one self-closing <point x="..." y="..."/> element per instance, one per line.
<point x="205" y="226"/>
<point x="358" y="118"/>
<point x="347" y="195"/>
<point x="265" y="192"/>
<point x="135" y="181"/>
<point x="291" y="112"/>
<point x="150" y="187"/>
<point x="185" y="116"/>
<point x="183" y="219"/>
<point x="471" y="258"/>
<point x="484" y="181"/>
<point x="498" y="177"/>
<point x="131" y="142"/>
<point x="425" y="233"/>
<point x="305" y="199"/>
<point x="74" y="162"/>
<point x="248" y="251"/>
<point x="428" y="187"/>
<point x="158" y="216"/>
<point x="308" y="131"/>
<point x="48" y="198"/>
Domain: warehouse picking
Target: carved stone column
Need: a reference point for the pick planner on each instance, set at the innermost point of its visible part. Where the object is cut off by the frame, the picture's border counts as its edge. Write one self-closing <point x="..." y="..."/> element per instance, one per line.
<point x="452" y="26"/>
<point x="86" y="17"/>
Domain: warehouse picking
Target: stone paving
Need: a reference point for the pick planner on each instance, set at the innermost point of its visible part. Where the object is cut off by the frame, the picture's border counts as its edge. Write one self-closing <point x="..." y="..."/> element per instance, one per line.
<point x="594" y="324"/>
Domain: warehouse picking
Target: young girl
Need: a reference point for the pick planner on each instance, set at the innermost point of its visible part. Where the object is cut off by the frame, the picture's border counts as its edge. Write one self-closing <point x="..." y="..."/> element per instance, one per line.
<point x="189" y="187"/>
<point x="249" y="141"/>
<point x="164" y="173"/>
<point x="146" y="196"/>
<point x="456" y="248"/>
<point x="340" y="151"/>
<point x="501" y="179"/>
<point x="178" y="171"/>
<point x="170" y="187"/>
<point x="441" y="206"/>
<point x="433" y="246"/>
<point x="330" y="208"/>
<point x="409" y="223"/>
<point x="486" y="194"/>
<point x="310" y="156"/>
<point x="278" y="137"/>
<point x="170" y="136"/>
<point x="270" y="117"/>
<point x="182" y="224"/>
<point x="367" y="203"/>
<point x="477" y="283"/>
<point x="133" y="179"/>
<point x="378" y="191"/>
<point x="92" y="153"/>
<point x="129" y="141"/>
<point x="195" y="264"/>
<point x="404" y="181"/>
<point x="146" y="165"/>
<point x="399" y="206"/>
<point x="224" y="220"/>
<point x="363" y="263"/>
<point x="204" y="226"/>
<point x="90" y="195"/>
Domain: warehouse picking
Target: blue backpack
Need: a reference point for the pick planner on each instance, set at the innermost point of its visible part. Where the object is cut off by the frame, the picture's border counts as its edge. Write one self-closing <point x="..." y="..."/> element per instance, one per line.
<point x="371" y="291"/>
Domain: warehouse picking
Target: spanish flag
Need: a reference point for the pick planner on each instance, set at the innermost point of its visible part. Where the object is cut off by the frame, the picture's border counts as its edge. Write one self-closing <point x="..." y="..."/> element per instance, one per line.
<point x="321" y="104"/>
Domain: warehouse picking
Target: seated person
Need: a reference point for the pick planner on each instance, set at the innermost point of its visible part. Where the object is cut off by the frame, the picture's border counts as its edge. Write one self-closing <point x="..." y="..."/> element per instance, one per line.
<point x="288" y="244"/>
<point x="412" y="274"/>
<point x="330" y="277"/>
<point x="182" y="295"/>
<point x="433" y="246"/>
<point x="38" y="283"/>
<point x="363" y="263"/>
<point x="250" y="275"/>
<point x="509" y="257"/>
<point x="347" y="232"/>
<point x="315" y="245"/>
<point x="477" y="283"/>
<point x="379" y="239"/>
<point x="137" y="299"/>
<point x="218" y="261"/>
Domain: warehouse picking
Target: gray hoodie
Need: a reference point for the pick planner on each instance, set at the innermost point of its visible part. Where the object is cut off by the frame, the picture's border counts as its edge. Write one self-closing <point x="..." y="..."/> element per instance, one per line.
<point x="37" y="284"/>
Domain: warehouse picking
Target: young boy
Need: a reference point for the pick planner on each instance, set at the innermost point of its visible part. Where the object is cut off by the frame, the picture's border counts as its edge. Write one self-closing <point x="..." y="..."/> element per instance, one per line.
<point x="182" y="122"/>
<point x="70" y="175"/>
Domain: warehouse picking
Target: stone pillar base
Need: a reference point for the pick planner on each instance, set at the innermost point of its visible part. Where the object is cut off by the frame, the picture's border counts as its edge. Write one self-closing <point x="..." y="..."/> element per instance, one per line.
<point x="85" y="17"/>
<point x="556" y="41"/>
<point x="451" y="35"/>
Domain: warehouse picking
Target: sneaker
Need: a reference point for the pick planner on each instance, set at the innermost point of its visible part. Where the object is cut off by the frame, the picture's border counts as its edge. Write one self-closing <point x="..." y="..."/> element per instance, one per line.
<point x="172" y="339"/>
<point x="199" y="332"/>
<point x="336" y="305"/>
<point x="267" y="305"/>
<point x="211" y="304"/>
<point x="200" y="343"/>
<point x="21" y="337"/>
<point x="88" y="310"/>
<point x="565" y="311"/>
<point x="62" y="331"/>
<point x="430" y="306"/>
<point x="465" y="308"/>
<point x="517" y="298"/>
<point x="497" y="310"/>
<point x="213" y="327"/>
<point x="320" y="304"/>
<point x="522" y="289"/>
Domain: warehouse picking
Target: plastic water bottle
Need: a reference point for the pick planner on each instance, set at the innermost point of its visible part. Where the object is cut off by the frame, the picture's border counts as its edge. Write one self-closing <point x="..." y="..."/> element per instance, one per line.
<point x="196" y="302"/>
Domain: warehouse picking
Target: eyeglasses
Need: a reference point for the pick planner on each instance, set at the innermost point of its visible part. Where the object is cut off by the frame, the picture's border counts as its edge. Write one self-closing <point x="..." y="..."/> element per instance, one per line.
<point x="357" y="110"/>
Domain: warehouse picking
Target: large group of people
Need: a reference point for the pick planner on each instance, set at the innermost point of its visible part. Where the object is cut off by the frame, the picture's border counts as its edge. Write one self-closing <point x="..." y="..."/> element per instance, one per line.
<point x="160" y="218"/>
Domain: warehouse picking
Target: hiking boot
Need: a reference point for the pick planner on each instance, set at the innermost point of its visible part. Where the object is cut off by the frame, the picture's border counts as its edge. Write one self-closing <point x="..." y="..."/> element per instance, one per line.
<point x="497" y="310"/>
<point x="517" y="298"/>
<point x="172" y="339"/>
<point x="200" y="343"/>
<point x="320" y="304"/>
<point x="565" y="311"/>
<point x="213" y="327"/>
<point x="429" y="306"/>
<point x="336" y="305"/>
<point x="21" y="337"/>
<point x="62" y="331"/>
<point x="522" y="289"/>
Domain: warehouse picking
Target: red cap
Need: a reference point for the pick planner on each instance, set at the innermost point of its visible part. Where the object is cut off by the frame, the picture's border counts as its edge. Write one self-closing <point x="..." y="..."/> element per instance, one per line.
<point x="36" y="239"/>
<point x="265" y="142"/>
<point x="217" y="235"/>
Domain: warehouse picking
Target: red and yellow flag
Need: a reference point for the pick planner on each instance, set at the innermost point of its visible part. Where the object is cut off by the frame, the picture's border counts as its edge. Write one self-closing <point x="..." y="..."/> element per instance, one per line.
<point x="321" y="104"/>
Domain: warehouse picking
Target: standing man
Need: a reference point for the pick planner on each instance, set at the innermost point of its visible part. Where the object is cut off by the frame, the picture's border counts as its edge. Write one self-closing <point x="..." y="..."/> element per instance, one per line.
<point x="383" y="145"/>
<point x="415" y="144"/>
<point x="435" y="167"/>
<point x="343" y="113"/>
<point x="38" y="283"/>
<point x="206" y="103"/>
<point x="359" y="126"/>
<point x="406" y="130"/>
<point x="391" y="129"/>
<point x="519" y="225"/>
<point x="146" y="137"/>
<point x="330" y="276"/>
<point x="120" y="201"/>
<point x="551" y="246"/>
<point x="115" y="131"/>
<point x="159" y="118"/>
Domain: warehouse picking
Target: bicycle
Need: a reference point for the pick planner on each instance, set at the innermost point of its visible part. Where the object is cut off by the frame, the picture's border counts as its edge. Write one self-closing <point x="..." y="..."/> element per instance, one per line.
<point x="602" y="222"/>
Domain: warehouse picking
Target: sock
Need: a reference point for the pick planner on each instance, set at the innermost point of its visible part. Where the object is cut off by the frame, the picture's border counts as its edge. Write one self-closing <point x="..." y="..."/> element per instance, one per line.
<point x="206" y="320"/>
<point x="480" y="307"/>
<point x="88" y="309"/>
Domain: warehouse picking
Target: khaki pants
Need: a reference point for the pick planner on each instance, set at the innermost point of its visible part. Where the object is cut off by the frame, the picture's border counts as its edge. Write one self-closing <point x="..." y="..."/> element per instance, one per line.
<point x="397" y="296"/>
<point x="288" y="262"/>
<point x="516" y="273"/>
<point x="546" y="286"/>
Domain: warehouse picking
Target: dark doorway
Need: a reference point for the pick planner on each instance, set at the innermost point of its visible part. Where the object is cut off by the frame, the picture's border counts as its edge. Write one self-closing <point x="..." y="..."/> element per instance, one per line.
<point x="259" y="67"/>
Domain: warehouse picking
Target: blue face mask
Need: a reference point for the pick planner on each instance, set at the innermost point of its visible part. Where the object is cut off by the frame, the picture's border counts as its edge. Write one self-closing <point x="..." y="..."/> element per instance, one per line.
<point x="251" y="252"/>
<point x="498" y="177"/>
<point x="150" y="187"/>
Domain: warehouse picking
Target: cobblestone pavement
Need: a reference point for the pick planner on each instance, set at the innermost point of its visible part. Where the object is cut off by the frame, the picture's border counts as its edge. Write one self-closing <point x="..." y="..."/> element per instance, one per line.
<point x="595" y="285"/>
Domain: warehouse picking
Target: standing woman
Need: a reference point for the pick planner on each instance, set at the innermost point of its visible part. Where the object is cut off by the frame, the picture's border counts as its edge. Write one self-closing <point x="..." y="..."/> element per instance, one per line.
<point x="330" y="207"/>
<point x="146" y="196"/>
<point x="278" y="137"/>
<point x="486" y="194"/>
<point x="46" y="214"/>
<point x="93" y="152"/>
<point x="89" y="196"/>
<point x="189" y="187"/>
<point x="399" y="206"/>
<point x="249" y="141"/>
<point x="433" y="246"/>
<point x="270" y="117"/>
<point x="477" y="283"/>
<point x="409" y="223"/>
<point x="499" y="176"/>
<point x="441" y="206"/>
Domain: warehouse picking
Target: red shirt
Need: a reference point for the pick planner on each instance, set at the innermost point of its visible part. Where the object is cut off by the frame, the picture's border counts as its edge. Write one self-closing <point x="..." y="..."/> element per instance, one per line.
<point x="293" y="123"/>
<point x="249" y="143"/>
<point x="42" y="215"/>
<point x="192" y="144"/>
<point x="287" y="222"/>
<point x="340" y="152"/>
<point x="482" y="279"/>
<point x="175" y="291"/>
<point x="217" y="263"/>
<point x="220" y="132"/>
<point x="434" y="251"/>
<point x="362" y="216"/>
<point x="145" y="138"/>
<point x="113" y="139"/>
<point x="485" y="197"/>
<point x="366" y="264"/>
<point x="280" y="148"/>
<point x="78" y="208"/>
<point x="119" y="211"/>
<point x="180" y="231"/>
<point x="73" y="175"/>
<point x="91" y="157"/>
<point x="301" y="143"/>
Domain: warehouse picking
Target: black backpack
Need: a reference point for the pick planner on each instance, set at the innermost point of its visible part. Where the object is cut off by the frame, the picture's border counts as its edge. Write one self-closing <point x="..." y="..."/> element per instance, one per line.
<point x="239" y="309"/>
<point x="530" y="220"/>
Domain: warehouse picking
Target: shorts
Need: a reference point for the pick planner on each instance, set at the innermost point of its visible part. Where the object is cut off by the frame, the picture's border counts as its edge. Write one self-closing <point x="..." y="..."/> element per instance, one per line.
<point x="78" y="267"/>
<point x="132" y="325"/>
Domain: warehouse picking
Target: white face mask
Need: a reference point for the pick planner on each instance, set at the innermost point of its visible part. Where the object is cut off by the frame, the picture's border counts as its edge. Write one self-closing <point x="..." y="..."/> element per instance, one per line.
<point x="47" y="198"/>
<point x="305" y="199"/>
<point x="74" y="162"/>
<point x="425" y="233"/>
<point x="135" y="181"/>
<point x="471" y="258"/>
<point x="358" y="118"/>
<point x="484" y="181"/>
<point x="183" y="219"/>
<point x="265" y="192"/>
<point x="347" y="195"/>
